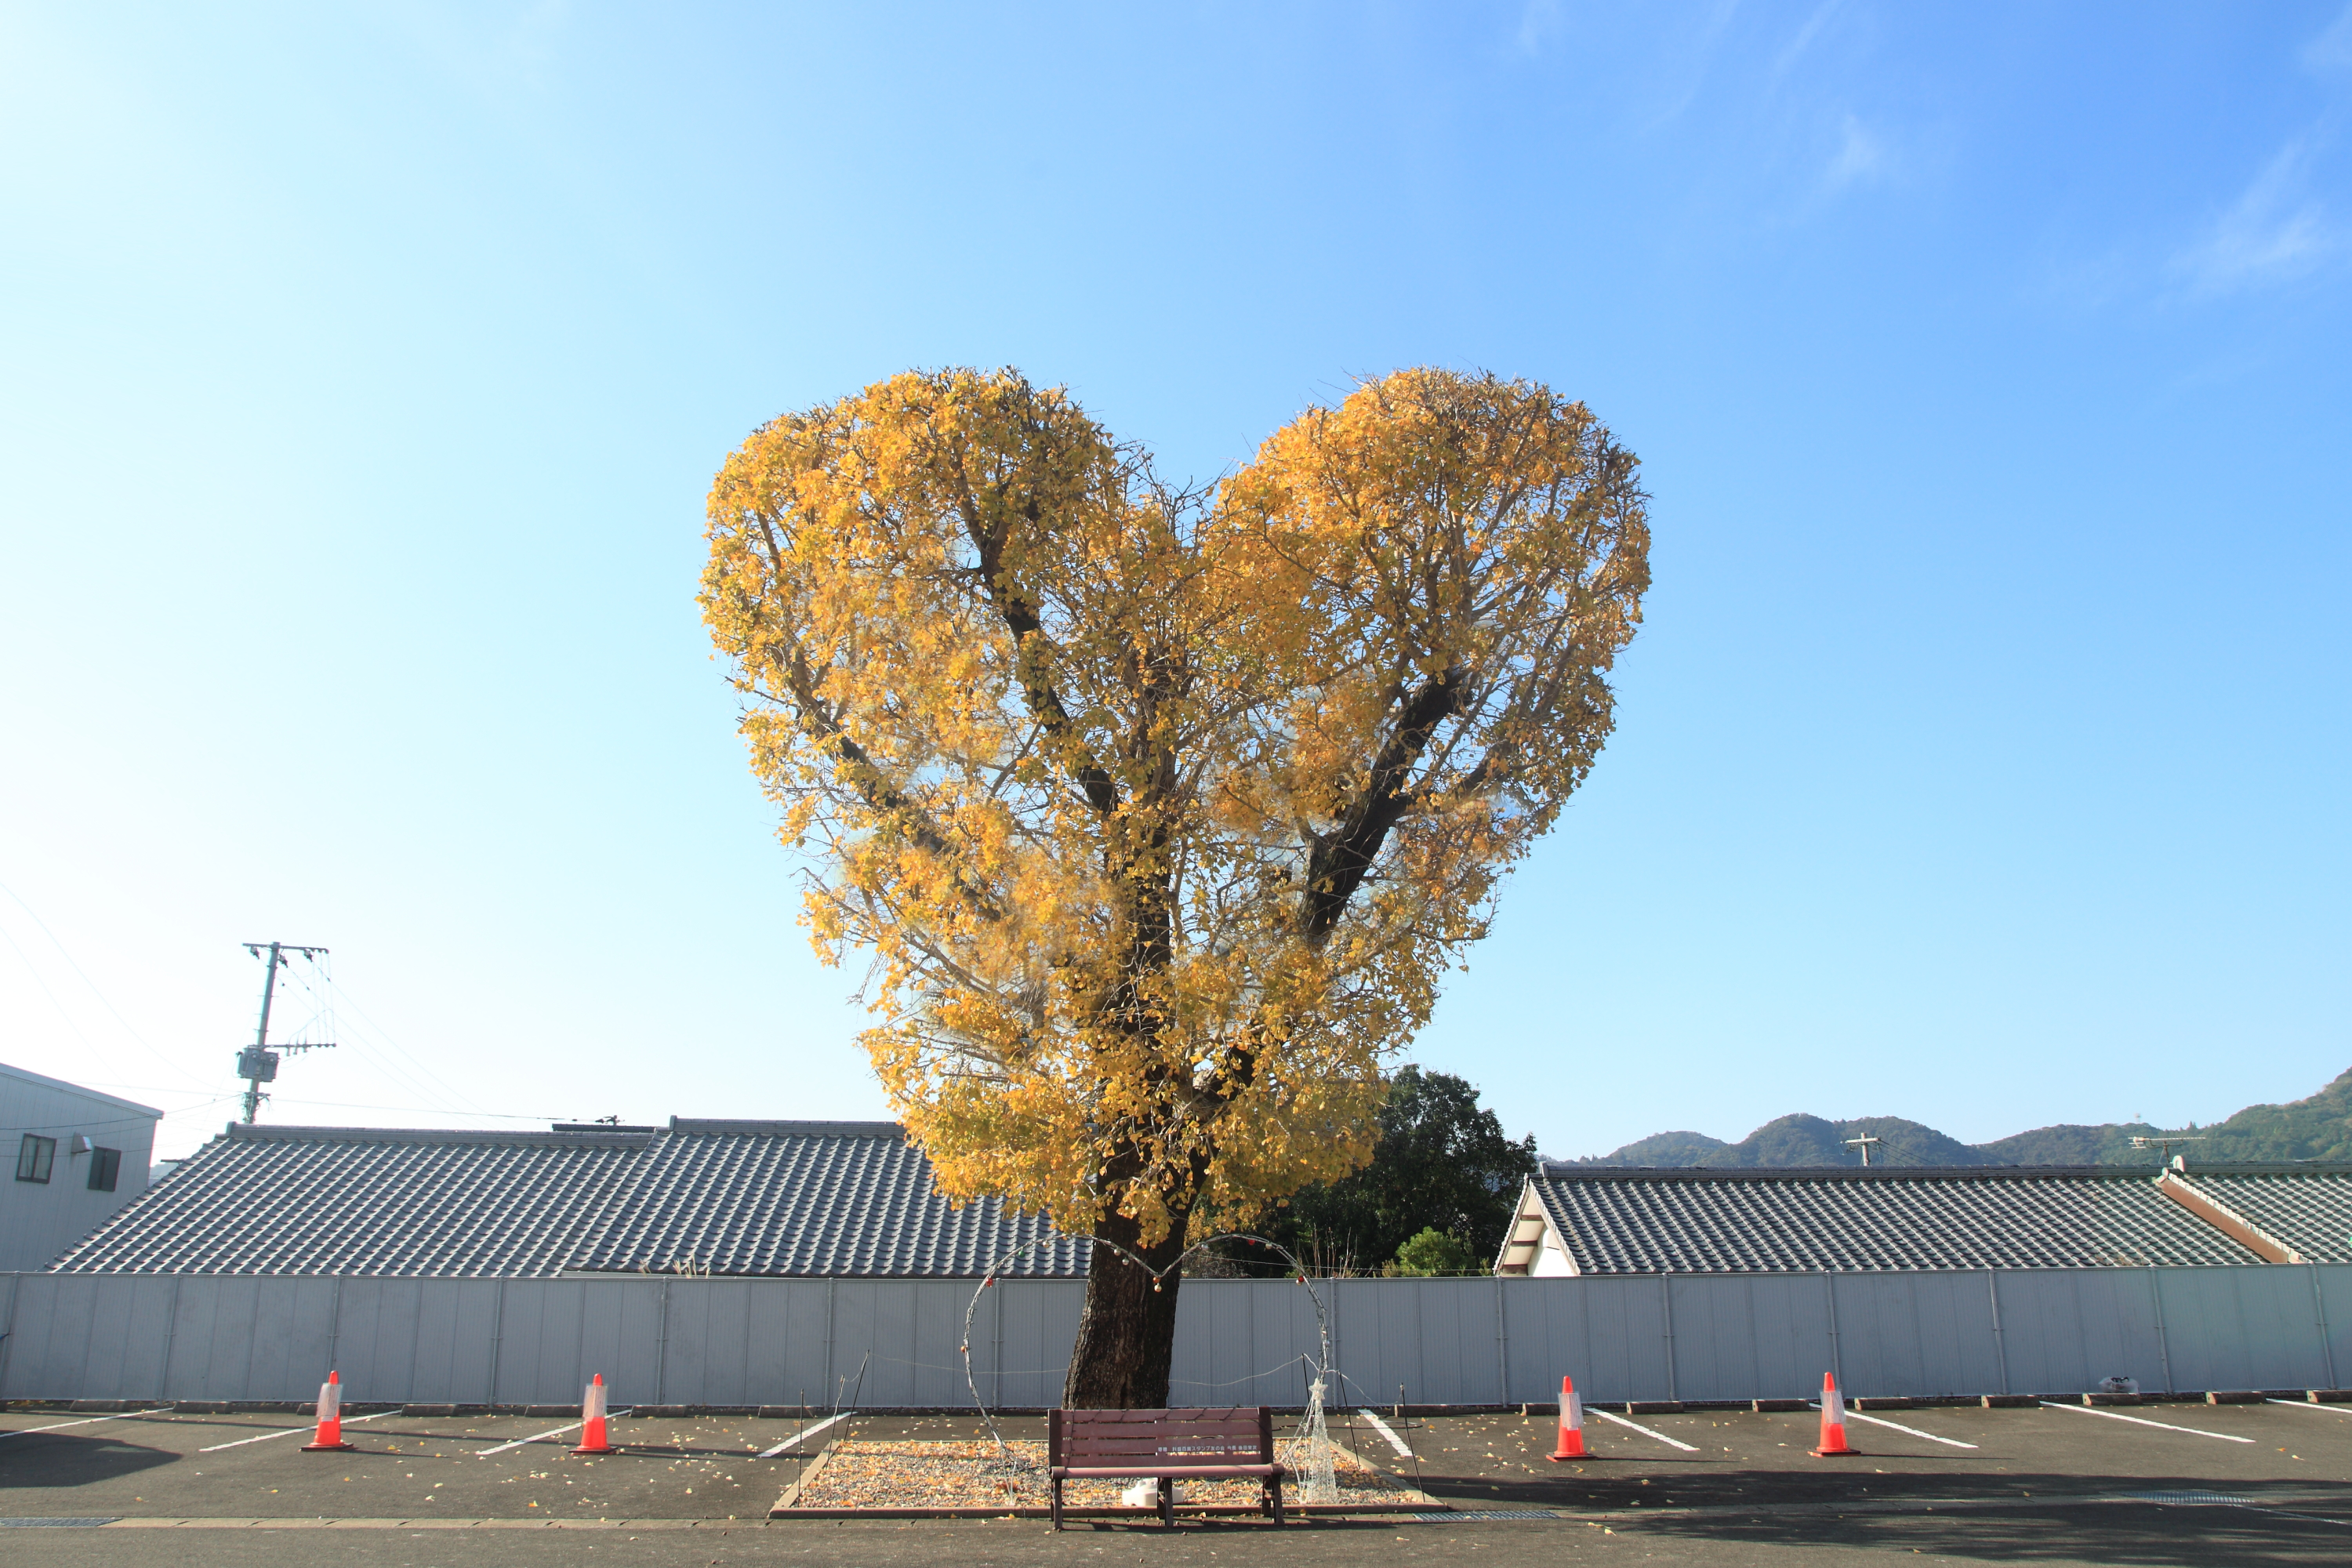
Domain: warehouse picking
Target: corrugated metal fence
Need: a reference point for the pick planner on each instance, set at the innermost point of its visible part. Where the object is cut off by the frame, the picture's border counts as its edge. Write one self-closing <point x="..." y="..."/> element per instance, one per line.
<point x="894" y="1342"/>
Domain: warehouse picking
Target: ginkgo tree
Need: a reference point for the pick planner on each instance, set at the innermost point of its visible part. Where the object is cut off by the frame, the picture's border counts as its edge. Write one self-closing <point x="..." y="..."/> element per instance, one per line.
<point x="1159" y="812"/>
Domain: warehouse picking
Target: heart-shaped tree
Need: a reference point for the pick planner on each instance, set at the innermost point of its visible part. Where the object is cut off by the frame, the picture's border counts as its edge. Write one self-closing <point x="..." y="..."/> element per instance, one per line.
<point x="1161" y="811"/>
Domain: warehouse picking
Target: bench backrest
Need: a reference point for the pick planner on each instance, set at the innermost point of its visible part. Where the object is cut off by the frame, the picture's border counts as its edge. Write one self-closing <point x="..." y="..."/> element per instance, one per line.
<point x="1166" y="1439"/>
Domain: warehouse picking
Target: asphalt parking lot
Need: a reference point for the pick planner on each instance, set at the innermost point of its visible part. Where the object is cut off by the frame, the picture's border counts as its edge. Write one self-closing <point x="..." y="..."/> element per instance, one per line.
<point x="2172" y="1484"/>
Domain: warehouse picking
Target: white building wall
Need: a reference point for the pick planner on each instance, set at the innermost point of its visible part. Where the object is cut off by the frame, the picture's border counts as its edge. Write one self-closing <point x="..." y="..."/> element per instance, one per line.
<point x="1552" y="1260"/>
<point x="39" y="1220"/>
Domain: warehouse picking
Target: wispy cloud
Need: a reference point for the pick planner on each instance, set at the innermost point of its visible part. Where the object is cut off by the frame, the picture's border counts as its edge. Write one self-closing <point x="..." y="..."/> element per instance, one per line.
<point x="2332" y="50"/>
<point x="1538" y="20"/>
<point x="1862" y="156"/>
<point x="2275" y="232"/>
<point x="1796" y="47"/>
<point x="1697" y="60"/>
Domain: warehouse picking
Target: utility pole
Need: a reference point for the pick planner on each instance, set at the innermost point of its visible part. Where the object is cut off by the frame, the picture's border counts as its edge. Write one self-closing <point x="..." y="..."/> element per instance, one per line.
<point x="258" y="1063"/>
<point x="1866" y="1143"/>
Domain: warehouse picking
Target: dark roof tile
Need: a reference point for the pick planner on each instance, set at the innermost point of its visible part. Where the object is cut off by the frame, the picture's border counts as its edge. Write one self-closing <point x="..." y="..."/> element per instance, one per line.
<point x="1650" y="1222"/>
<point x="722" y="1198"/>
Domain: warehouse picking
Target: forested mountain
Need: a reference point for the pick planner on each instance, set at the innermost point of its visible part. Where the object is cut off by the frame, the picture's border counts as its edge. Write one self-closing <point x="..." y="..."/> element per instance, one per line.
<point x="2319" y="1128"/>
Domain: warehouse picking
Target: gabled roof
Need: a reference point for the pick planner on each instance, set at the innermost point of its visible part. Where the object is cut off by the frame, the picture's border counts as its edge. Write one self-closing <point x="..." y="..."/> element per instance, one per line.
<point x="1634" y="1221"/>
<point x="718" y="1197"/>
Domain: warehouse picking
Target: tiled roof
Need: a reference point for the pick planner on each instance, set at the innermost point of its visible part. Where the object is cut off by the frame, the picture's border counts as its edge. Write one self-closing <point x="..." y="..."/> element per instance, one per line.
<point x="1650" y="1222"/>
<point x="733" y="1197"/>
<point x="809" y="1203"/>
<point x="2308" y="1209"/>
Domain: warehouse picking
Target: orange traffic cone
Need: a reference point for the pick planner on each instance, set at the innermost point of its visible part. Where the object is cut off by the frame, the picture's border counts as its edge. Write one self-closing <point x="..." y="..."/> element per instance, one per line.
<point x="1833" y="1443"/>
<point x="330" y="1437"/>
<point x="591" y="1420"/>
<point x="1571" y="1423"/>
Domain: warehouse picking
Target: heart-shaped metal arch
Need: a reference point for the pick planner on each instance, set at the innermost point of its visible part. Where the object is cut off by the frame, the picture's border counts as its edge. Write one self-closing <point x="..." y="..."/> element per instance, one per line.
<point x="1297" y="1272"/>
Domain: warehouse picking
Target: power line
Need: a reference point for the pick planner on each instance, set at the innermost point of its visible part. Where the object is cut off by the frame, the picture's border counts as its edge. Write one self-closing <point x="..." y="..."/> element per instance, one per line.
<point x="84" y="1125"/>
<point x="342" y="1105"/>
<point x="438" y="1111"/>
<point x="421" y="1081"/>
<point x="386" y="1036"/>
<point x="317" y="979"/>
<point x="66" y="953"/>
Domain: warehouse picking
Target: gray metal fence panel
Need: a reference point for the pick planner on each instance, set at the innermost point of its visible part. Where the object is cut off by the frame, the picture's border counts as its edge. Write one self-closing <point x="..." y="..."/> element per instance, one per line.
<point x="49" y="1339"/>
<point x="1240" y="1341"/>
<point x="432" y="1339"/>
<point x="539" y="1343"/>
<point x="1735" y="1336"/>
<point x="2331" y="1287"/>
<point x="1610" y="1336"/>
<point x="2067" y="1329"/>
<point x="1379" y="1335"/>
<point x="2249" y="1327"/>
<point x="684" y="1341"/>
<point x="233" y="1333"/>
<point x="1031" y="1326"/>
<point x="1914" y="1334"/>
<point x="1403" y="1338"/>
<point x="1632" y="1354"/>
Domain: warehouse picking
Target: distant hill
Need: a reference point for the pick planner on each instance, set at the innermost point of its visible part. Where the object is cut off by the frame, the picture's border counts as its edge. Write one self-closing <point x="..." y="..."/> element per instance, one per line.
<point x="1802" y="1141"/>
<point x="2319" y="1128"/>
<point x="2073" y="1143"/>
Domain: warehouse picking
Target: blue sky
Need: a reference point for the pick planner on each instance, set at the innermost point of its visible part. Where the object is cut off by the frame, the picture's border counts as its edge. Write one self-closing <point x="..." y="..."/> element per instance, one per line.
<point x="1984" y="759"/>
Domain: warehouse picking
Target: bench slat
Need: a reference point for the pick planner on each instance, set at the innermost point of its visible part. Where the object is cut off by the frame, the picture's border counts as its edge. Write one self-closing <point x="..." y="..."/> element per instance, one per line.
<point x="1160" y="1418"/>
<point x="1210" y="1472"/>
<point x="1154" y="1435"/>
<point x="1144" y="1442"/>
<point x="1205" y="1444"/>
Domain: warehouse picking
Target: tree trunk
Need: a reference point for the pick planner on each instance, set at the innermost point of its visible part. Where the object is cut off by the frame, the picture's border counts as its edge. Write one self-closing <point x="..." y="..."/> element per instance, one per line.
<point x="1127" y="1334"/>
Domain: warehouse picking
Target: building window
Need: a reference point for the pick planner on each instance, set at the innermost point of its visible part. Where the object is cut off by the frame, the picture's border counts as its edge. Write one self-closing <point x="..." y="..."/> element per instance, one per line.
<point x="105" y="1164"/>
<point x="34" y="1157"/>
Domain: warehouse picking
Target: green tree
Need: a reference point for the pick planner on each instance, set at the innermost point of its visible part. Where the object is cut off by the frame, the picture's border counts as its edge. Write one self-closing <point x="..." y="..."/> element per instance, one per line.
<point x="1442" y="1164"/>
<point x="1435" y="1251"/>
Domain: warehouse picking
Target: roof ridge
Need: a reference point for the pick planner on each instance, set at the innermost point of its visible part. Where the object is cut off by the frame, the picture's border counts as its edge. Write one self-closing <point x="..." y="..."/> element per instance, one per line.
<point x="737" y="1127"/>
<point x="282" y="1132"/>
<point x="1554" y="1171"/>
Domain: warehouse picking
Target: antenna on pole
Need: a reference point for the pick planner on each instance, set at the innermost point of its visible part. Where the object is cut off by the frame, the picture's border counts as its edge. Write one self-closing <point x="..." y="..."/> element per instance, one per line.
<point x="1866" y="1143"/>
<point x="2163" y="1142"/>
<point x="258" y="1063"/>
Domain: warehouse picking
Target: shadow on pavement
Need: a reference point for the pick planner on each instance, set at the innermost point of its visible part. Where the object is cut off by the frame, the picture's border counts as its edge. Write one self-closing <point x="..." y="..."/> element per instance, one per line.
<point x="1731" y="1488"/>
<point x="60" y="1460"/>
<point x="2146" y="1533"/>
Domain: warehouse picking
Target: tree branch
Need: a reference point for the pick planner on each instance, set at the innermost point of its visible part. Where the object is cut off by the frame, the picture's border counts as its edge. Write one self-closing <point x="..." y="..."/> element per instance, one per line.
<point x="1339" y="859"/>
<point x="1022" y="620"/>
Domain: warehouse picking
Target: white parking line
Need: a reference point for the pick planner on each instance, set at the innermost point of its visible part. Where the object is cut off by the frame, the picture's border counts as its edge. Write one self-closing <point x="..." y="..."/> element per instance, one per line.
<point x="2141" y="1421"/>
<point x="551" y="1432"/>
<point x="804" y="1436"/>
<point x="1637" y="1427"/>
<point x="2306" y="1404"/>
<point x="92" y="1421"/>
<point x="1382" y="1428"/>
<point x="292" y="1431"/>
<point x="1897" y="1426"/>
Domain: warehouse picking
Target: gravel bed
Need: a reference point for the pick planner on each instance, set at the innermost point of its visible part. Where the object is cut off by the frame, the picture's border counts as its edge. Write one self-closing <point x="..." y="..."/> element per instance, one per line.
<point x="974" y="1475"/>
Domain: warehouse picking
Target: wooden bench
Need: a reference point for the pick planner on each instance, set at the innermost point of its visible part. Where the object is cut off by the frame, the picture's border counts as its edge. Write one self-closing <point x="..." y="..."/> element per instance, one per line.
<point x="1163" y="1446"/>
